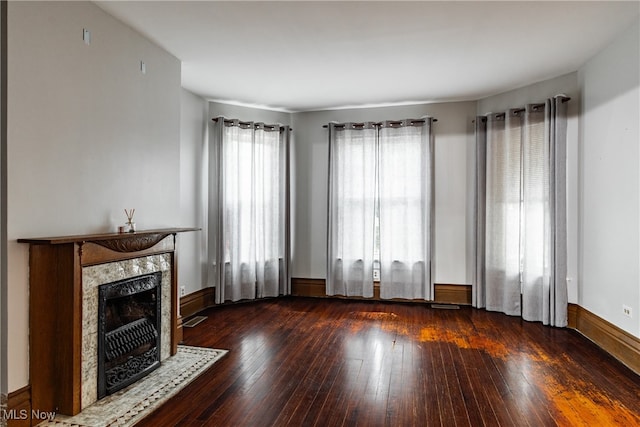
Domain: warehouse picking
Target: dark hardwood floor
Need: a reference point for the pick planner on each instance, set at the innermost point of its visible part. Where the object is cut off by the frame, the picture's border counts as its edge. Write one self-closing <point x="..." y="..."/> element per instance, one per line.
<point x="306" y="362"/>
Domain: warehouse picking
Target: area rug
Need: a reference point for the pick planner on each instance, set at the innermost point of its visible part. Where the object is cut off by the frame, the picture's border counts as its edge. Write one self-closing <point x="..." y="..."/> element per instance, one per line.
<point x="128" y="406"/>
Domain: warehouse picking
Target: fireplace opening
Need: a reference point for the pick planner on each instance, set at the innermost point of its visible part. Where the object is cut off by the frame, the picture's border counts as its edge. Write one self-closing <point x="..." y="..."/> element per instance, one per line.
<point x="128" y="331"/>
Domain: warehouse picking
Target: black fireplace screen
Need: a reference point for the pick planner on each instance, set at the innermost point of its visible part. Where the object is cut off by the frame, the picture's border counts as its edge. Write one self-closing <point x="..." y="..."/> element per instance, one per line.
<point x="128" y="331"/>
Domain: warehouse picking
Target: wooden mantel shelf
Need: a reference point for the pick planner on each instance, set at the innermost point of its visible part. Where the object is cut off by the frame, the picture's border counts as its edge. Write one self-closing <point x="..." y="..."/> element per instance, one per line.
<point x="81" y="238"/>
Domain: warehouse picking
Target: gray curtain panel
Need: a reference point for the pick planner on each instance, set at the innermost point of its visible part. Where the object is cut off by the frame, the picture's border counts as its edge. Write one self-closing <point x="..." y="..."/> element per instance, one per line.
<point x="478" y="294"/>
<point x="520" y="218"/>
<point x="555" y="312"/>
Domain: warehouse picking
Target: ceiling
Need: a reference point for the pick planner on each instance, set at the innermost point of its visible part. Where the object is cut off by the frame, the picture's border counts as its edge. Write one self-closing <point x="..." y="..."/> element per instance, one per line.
<point x="302" y="56"/>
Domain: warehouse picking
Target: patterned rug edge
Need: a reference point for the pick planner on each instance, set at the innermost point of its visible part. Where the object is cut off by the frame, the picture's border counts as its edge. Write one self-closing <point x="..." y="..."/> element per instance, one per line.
<point x="147" y="394"/>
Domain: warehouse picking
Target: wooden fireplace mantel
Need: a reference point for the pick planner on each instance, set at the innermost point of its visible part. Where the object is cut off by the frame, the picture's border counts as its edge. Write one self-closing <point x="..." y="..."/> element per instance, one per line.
<point x="55" y="305"/>
<point x="102" y="237"/>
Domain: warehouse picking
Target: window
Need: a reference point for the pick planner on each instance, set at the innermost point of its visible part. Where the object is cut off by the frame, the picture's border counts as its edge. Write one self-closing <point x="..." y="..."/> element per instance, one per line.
<point x="521" y="216"/>
<point x="380" y="208"/>
<point x="248" y="218"/>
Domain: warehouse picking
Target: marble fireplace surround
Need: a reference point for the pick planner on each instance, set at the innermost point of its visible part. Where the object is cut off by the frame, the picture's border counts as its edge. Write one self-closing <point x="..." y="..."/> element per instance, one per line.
<point x="64" y="275"/>
<point x="95" y="276"/>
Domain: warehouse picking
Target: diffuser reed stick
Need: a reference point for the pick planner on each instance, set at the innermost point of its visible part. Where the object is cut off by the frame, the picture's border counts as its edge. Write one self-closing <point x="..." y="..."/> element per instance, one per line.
<point x="130" y="226"/>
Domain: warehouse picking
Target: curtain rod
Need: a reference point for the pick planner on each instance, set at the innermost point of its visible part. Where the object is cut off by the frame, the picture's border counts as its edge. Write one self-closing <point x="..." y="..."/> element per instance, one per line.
<point x="517" y="111"/>
<point x="240" y="122"/>
<point x="392" y="122"/>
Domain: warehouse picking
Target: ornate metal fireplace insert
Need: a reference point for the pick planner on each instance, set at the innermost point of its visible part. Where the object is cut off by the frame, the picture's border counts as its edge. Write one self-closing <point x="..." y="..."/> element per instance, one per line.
<point x="128" y="331"/>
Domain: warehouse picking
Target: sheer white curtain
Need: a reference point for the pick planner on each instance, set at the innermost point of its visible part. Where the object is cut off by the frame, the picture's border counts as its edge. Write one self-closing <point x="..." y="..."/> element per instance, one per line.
<point x="406" y="209"/>
<point x="248" y="245"/>
<point x="536" y="209"/>
<point x="521" y="212"/>
<point x="352" y="185"/>
<point x="380" y="170"/>
<point x="502" y="246"/>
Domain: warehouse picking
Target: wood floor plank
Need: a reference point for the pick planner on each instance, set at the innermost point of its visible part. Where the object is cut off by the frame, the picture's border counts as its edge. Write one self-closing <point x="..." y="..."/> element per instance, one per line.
<point x="476" y="390"/>
<point x="326" y="362"/>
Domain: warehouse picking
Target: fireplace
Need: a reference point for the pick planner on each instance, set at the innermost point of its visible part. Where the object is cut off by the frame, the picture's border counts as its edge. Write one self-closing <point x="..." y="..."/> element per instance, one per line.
<point x="93" y="279"/>
<point x="129" y="325"/>
<point x="65" y="274"/>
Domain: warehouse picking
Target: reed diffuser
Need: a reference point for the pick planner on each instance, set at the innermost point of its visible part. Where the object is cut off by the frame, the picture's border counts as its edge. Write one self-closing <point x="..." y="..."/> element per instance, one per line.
<point x="130" y="226"/>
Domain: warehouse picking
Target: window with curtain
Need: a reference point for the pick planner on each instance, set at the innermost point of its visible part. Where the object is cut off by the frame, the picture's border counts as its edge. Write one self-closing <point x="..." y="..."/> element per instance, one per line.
<point x="380" y="208"/>
<point x="521" y="212"/>
<point x="248" y="210"/>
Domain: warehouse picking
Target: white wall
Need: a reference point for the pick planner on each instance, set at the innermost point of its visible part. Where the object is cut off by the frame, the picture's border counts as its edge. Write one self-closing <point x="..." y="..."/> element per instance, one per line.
<point x="453" y="136"/>
<point x="88" y="135"/>
<point x="193" y="136"/>
<point x="538" y="92"/>
<point x="610" y="182"/>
